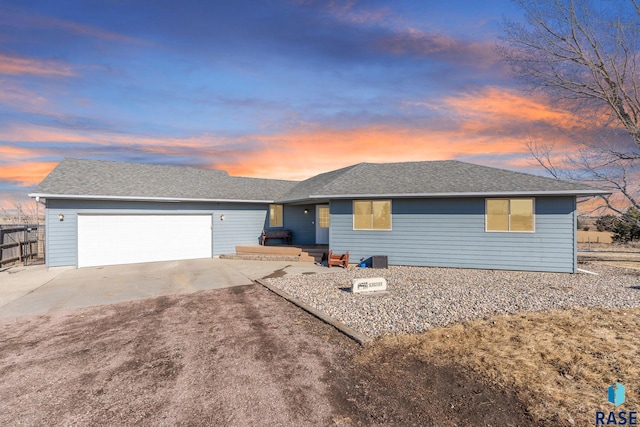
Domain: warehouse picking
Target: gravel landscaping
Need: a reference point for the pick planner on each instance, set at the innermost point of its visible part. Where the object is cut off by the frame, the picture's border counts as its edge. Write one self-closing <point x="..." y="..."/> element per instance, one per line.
<point x="419" y="298"/>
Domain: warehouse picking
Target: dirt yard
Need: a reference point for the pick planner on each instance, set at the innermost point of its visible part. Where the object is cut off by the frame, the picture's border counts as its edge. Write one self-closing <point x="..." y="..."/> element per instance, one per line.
<point x="244" y="356"/>
<point x="234" y="357"/>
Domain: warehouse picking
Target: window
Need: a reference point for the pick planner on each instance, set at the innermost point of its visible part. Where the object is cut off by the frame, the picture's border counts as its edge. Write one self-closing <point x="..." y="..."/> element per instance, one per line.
<point x="372" y="214"/>
<point x="323" y="217"/>
<point x="509" y="215"/>
<point x="275" y="215"/>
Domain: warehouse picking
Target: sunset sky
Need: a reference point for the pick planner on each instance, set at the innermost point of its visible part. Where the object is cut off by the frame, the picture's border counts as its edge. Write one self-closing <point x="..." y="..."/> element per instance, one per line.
<point x="280" y="89"/>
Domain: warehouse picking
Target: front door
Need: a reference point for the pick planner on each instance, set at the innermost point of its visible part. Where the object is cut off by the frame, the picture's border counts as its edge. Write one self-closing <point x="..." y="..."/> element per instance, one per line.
<point x="322" y="224"/>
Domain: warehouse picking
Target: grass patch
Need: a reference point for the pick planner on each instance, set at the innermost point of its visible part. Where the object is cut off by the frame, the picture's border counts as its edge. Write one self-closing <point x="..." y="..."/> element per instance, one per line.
<point x="559" y="362"/>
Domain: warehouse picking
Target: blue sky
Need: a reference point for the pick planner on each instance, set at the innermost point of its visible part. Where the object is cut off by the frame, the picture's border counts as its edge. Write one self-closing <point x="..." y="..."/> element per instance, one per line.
<point x="281" y="89"/>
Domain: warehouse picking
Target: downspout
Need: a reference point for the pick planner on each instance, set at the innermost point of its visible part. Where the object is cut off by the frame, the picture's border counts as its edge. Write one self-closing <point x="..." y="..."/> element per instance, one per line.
<point x="575" y="234"/>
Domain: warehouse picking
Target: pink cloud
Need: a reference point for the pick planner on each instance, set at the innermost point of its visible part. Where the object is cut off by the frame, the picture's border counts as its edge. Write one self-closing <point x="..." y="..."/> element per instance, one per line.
<point x="16" y="17"/>
<point x="306" y="152"/>
<point x="26" y="173"/>
<point x="13" y="65"/>
<point x="489" y="122"/>
<point x="19" y="98"/>
<point x="498" y="115"/>
<point x="356" y="14"/>
<point x="414" y="42"/>
<point x="35" y="134"/>
<point x="86" y="30"/>
<point x="507" y="105"/>
<point x="14" y="153"/>
<point x="350" y="11"/>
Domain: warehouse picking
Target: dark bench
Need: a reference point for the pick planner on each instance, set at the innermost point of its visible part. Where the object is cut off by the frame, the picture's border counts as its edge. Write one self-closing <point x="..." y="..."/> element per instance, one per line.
<point x="276" y="234"/>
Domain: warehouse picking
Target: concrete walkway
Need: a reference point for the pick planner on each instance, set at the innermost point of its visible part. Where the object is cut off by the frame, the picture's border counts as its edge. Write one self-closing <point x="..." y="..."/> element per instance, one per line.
<point x="40" y="290"/>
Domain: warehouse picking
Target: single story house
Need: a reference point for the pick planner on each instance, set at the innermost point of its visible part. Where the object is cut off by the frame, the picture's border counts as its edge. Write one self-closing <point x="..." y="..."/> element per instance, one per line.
<point x="432" y="213"/>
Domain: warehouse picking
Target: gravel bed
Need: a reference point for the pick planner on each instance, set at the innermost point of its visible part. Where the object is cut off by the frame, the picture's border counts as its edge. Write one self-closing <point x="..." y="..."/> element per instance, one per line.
<point x="420" y="298"/>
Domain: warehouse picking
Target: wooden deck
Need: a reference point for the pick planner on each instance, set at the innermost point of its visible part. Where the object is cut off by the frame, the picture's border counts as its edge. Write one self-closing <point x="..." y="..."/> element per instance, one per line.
<point x="302" y="253"/>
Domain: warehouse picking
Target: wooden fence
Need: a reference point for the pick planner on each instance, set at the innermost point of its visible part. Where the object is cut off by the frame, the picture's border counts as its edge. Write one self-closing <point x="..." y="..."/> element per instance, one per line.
<point x="20" y="243"/>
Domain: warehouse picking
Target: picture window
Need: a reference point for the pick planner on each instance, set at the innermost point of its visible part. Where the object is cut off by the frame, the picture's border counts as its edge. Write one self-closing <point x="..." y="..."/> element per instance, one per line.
<point x="510" y="215"/>
<point x="372" y="215"/>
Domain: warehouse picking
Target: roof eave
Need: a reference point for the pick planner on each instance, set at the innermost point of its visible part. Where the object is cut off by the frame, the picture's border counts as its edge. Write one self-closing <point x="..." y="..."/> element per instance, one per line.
<point x="298" y="200"/>
<point x="449" y="195"/>
<point x="141" y="198"/>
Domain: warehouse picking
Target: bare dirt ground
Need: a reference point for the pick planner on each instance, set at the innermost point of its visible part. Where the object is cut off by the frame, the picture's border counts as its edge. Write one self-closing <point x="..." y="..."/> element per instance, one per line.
<point x="244" y="356"/>
<point x="234" y="357"/>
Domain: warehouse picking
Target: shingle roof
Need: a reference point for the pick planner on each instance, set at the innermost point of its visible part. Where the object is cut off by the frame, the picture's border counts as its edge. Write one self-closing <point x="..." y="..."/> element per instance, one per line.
<point x="76" y="178"/>
<point x="428" y="179"/>
<point x="95" y="178"/>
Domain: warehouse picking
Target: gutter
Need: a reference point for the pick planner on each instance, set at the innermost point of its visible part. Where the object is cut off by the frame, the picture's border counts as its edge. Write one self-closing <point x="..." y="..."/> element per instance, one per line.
<point x="577" y="193"/>
<point x="326" y="196"/>
<point x="140" y="199"/>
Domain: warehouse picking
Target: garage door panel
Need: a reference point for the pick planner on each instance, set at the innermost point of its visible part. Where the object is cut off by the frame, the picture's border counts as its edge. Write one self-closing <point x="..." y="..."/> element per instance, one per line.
<point x="127" y="239"/>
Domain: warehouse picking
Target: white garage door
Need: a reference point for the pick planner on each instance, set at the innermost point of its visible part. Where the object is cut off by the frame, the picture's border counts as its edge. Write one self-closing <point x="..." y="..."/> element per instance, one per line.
<point x="128" y="239"/>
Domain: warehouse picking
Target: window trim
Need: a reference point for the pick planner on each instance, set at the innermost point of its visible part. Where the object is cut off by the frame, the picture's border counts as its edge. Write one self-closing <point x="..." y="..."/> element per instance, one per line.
<point x="281" y="224"/>
<point x="509" y="199"/>
<point x="353" y="215"/>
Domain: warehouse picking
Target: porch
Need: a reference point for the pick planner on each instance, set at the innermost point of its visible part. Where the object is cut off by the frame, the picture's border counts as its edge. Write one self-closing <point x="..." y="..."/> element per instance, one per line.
<point x="294" y="253"/>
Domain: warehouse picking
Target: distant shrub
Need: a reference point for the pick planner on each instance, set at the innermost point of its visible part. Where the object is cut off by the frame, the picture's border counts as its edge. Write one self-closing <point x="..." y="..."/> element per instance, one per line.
<point x="606" y="222"/>
<point x="586" y="228"/>
<point x="627" y="226"/>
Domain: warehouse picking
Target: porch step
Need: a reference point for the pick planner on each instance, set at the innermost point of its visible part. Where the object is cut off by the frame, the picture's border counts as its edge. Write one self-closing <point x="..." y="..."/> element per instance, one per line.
<point x="316" y="254"/>
<point x="279" y="253"/>
<point x="304" y="257"/>
<point x="268" y="250"/>
<point x="287" y="258"/>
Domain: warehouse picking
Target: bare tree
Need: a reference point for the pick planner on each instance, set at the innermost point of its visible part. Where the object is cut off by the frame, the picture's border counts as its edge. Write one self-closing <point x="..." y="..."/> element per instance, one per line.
<point x="603" y="166"/>
<point x="23" y="213"/>
<point x="583" y="53"/>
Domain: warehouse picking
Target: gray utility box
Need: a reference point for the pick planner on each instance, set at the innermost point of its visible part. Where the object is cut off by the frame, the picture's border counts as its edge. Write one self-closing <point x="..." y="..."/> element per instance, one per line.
<point x="378" y="261"/>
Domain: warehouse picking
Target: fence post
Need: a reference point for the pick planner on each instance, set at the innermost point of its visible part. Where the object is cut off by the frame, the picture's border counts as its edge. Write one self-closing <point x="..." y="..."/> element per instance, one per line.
<point x="25" y="240"/>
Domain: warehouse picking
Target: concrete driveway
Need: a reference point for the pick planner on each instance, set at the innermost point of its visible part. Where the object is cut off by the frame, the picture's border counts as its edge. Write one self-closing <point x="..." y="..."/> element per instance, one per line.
<point x="39" y="290"/>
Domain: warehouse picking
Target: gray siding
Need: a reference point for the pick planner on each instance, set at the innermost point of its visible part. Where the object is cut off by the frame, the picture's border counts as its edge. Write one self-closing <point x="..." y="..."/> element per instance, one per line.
<point x="62" y="236"/>
<point x="242" y="223"/>
<point x="451" y="233"/>
<point x="302" y="226"/>
<point x="426" y="232"/>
